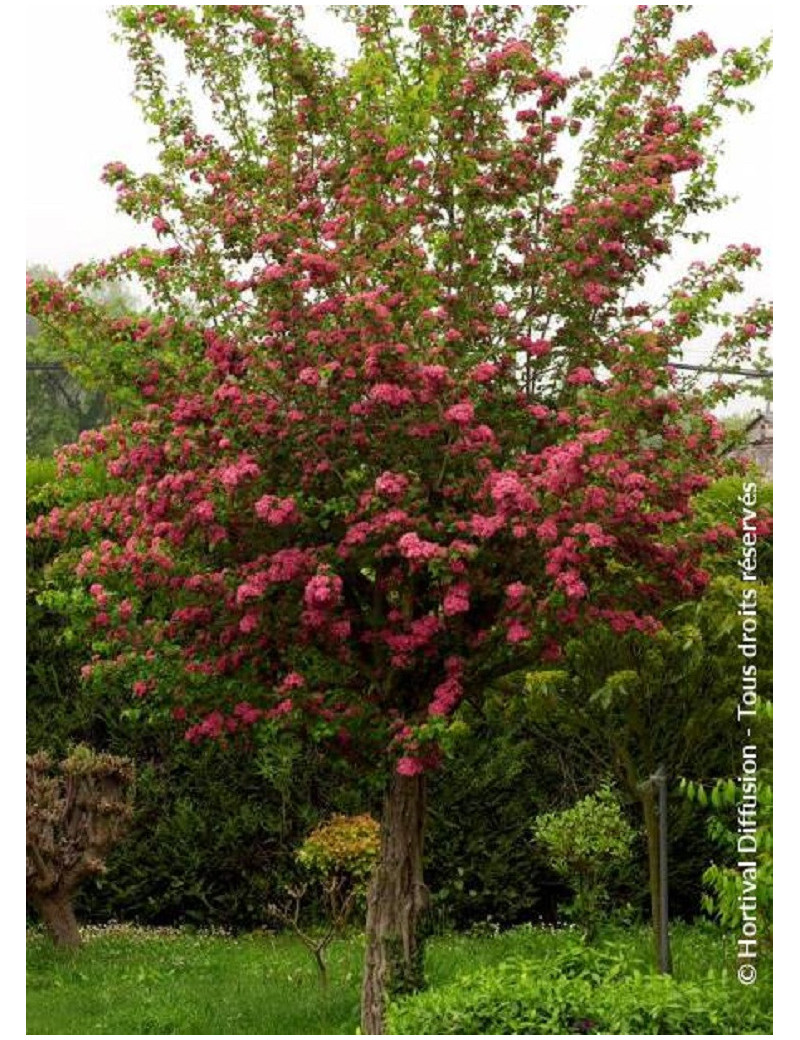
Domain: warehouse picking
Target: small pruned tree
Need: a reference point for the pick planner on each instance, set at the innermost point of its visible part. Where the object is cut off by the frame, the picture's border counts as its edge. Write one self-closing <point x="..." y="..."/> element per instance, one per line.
<point x="339" y="857"/>
<point x="587" y="844"/>
<point x="76" y="812"/>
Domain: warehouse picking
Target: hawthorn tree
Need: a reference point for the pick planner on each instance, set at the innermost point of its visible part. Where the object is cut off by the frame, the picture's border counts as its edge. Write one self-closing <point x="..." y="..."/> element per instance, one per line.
<point x="400" y="419"/>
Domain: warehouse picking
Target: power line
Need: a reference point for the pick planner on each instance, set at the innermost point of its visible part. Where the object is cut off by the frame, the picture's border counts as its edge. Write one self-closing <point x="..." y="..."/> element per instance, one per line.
<point x="750" y="373"/>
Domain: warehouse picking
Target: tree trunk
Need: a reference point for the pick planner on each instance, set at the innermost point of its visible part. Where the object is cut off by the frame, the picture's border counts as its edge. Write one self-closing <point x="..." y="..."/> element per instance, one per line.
<point x="397" y="895"/>
<point x="58" y="917"/>
<point x="653" y="862"/>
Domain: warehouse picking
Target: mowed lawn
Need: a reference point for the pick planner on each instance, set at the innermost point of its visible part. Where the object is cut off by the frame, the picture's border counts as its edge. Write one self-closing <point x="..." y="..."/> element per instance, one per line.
<point x="147" y="981"/>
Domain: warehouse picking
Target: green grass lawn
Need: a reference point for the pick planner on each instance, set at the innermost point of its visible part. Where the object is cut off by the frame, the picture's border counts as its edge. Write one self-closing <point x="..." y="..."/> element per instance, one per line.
<point x="140" y="981"/>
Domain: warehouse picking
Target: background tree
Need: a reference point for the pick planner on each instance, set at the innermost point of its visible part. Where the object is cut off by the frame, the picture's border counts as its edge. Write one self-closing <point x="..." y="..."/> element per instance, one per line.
<point x="667" y="700"/>
<point x="397" y="423"/>
<point x="63" y="394"/>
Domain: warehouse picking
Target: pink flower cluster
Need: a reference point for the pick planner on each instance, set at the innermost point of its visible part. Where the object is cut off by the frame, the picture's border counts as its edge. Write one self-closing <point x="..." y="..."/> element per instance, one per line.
<point x="446" y="696"/>
<point x="516" y="593"/>
<point x="204" y="511"/>
<point x="456" y="600"/>
<point x="419" y="635"/>
<point x="415" y="548"/>
<point x="580" y="377"/>
<point x="509" y="493"/>
<point x="517" y="632"/>
<point x="485" y="372"/>
<point x="233" y="475"/>
<point x="323" y="592"/>
<point x="276" y="511"/>
<point x="285" y="565"/>
<point x="462" y="414"/>
<point x="391" y="485"/>
<point x="570" y="581"/>
<point x="486" y="526"/>
<point x="391" y="394"/>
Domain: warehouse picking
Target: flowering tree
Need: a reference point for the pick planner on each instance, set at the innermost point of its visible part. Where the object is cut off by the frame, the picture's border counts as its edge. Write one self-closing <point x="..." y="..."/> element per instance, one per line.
<point x="400" y="419"/>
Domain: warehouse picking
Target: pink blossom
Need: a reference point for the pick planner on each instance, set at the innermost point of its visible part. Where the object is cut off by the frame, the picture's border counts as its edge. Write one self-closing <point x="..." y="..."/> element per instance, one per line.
<point x="516" y="593"/>
<point x="211" y="727"/>
<point x="309" y="376"/>
<point x="594" y="292"/>
<point x="286" y="565"/>
<point x="231" y="476"/>
<point x="276" y="511"/>
<point x="547" y="531"/>
<point x="486" y="526"/>
<point x="323" y="591"/>
<point x="434" y="375"/>
<point x="570" y="581"/>
<point x="415" y="548"/>
<point x="462" y="413"/>
<point x="508" y="491"/>
<point x="580" y="377"/>
<point x="204" y="511"/>
<point x="446" y="696"/>
<point x="409" y="766"/>
<point x="456" y="600"/>
<point x="484" y="372"/>
<point x="249" y="623"/>
<point x="517" y="632"/>
<point x="536" y="347"/>
<point x="391" y="394"/>
<point x="246" y="713"/>
<point x="392" y="485"/>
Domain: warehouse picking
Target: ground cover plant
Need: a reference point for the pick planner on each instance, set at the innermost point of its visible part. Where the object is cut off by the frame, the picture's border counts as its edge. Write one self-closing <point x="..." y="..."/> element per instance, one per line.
<point x="401" y="424"/>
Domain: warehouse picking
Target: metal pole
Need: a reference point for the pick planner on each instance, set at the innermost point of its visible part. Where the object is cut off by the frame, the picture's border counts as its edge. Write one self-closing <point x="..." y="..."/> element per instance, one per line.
<point x="664" y="959"/>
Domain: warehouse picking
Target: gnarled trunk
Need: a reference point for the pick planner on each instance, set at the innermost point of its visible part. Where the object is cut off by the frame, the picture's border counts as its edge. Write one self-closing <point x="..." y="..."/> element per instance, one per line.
<point x="58" y="917"/>
<point x="397" y="896"/>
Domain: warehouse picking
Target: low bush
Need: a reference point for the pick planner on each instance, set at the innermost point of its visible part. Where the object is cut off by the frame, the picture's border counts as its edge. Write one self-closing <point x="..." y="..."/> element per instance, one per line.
<point x="583" y="991"/>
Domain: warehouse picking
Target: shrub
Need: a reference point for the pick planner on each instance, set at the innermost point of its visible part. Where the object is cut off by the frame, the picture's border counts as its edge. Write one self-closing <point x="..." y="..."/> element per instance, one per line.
<point x="587" y="844"/>
<point x="513" y="998"/>
<point x="573" y="994"/>
<point x="338" y="858"/>
<point x="342" y="851"/>
<point x="658" y="1004"/>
